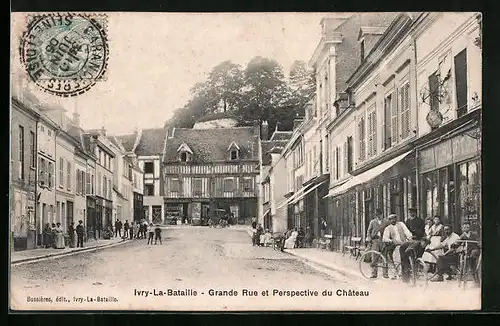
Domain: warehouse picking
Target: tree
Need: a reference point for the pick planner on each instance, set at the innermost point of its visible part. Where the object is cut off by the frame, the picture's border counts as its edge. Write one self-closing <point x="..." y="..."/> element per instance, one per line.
<point x="224" y="86"/>
<point x="302" y="81"/>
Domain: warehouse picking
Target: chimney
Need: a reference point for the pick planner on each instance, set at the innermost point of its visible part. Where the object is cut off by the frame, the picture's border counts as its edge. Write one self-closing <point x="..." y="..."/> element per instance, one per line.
<point x="103" y="131"/>
<point x="264" y="131"/>
<point x="256" y="128"/>
<point x="297" y="122"/>
<point x="330" y="24"/>
<point x="76" y="118"/>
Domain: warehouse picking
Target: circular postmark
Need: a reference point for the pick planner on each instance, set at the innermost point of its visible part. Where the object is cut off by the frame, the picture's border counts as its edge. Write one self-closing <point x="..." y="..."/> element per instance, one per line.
<point x="65" y="54"/>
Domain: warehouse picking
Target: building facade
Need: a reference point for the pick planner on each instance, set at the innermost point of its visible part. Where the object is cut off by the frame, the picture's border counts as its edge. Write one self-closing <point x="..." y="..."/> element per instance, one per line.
<point x="211" y="170"/>
<point x="23" y="161"/>
<point x="408" y="127"/>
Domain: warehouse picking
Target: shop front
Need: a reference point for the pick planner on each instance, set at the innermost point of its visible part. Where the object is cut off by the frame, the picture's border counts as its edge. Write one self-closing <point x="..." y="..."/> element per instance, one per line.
<point x="450" y="178"/>
<point x="138" y="206"/>
<point x="108" y="213"/>
<point x="99" y="213"/>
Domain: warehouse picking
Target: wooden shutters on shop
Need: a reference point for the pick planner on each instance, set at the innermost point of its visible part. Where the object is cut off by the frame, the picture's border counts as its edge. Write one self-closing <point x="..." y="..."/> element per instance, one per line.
<point x="404" y="93"/>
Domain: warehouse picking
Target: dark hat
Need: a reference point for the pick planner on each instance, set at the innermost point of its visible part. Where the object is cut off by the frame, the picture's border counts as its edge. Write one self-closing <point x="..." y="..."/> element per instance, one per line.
<point x="414" y="209"/>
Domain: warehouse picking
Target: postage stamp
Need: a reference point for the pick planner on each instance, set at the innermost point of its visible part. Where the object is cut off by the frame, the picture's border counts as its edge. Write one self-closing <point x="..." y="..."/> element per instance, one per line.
<point x="65" y="54"/>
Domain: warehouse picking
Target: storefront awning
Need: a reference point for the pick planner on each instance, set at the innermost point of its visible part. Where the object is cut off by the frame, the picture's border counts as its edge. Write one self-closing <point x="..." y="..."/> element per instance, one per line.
<point x="306" y="192"/>
<point x="366" y="176"/>
<point x="331" y="192"/>
<point x="266" y="212"/>
<point x="295" y="196"/>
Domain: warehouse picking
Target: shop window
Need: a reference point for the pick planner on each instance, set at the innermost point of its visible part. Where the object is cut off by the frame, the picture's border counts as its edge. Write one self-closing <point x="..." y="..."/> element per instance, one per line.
<point x="461" y="82"/>
<point x="469" y="196"/>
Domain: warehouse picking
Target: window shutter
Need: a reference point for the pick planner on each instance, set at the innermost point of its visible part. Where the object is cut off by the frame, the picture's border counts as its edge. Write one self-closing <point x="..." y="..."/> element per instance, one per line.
<point x="394" y="115"/>
<point x="374" y="132"/>
<point x="361" y="139"/>
<point x="346" y="155"/>
<point x="405" y="111"/>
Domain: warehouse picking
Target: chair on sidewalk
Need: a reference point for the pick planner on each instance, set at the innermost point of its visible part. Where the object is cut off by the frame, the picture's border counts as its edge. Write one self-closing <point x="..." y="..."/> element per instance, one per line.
<point x="324" y="242"/>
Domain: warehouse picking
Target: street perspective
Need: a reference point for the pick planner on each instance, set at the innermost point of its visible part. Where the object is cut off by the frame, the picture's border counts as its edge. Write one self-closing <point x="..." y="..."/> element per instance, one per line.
<point x="245" y="161"/>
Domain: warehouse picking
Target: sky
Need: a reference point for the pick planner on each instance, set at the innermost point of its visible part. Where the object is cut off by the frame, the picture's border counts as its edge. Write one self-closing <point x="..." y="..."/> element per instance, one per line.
<point x="155" y="59"/>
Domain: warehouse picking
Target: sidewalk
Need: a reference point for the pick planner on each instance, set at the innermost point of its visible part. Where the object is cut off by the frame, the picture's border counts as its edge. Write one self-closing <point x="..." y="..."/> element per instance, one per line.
<point x="25" y="256"/>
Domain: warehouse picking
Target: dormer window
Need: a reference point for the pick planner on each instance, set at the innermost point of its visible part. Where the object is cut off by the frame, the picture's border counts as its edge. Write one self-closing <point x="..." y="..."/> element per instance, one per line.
<point x="234" y="151"/>
<point x="184" y="153"/>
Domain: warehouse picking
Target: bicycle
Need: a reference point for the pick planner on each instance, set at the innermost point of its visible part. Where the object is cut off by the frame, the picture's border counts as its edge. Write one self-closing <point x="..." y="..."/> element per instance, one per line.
<point x="369" y="256"/>
<point x="463" y="269"/>
<point x="420" y="269"/>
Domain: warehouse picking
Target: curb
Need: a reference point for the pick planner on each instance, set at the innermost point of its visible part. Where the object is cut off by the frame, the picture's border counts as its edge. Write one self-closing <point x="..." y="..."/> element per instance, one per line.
<point x="63" y="254"/>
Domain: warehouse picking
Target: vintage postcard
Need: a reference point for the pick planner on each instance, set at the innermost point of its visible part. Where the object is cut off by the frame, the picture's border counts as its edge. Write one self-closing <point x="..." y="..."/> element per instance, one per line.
<point x="245" y="161"/>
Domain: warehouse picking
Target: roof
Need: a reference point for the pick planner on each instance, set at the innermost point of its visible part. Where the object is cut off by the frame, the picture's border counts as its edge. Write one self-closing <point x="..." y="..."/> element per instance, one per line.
<point x="128" y="141"/>
<point x="271" y="147"/>
<point x="373" y="30"/>
<point x="281" y="135"/>
<point x="218" y="115"/>
<point x="211" y="145"/>
<point x="151" y="142"/>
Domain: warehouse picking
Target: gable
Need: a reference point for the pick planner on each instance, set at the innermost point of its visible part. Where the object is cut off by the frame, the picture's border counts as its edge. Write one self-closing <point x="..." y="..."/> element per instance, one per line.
<point x="184" y="148"/>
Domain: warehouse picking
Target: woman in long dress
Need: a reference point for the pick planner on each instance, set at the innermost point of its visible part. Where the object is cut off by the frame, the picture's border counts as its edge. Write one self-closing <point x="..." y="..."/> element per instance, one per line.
<point x="290" y="242"/>
<point x="435" y="237"/>
<point x="47" y="236"/>
<point x="59" y="237"/>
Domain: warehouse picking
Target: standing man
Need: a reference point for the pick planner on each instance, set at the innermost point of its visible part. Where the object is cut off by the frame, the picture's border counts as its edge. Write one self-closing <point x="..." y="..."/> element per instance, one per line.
<point x="395" y="234"/>
<point x="416" y="225"/>
<point x="322" y="227"/>
<point x="79" y="234"/>
<point x="374" y="237"/>
<point x="118" y="228"/>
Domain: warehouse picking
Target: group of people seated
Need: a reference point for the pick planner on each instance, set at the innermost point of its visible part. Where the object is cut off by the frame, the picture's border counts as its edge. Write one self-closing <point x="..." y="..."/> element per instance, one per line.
<point x="420" y="238"/>
<point x="292" y="238"/>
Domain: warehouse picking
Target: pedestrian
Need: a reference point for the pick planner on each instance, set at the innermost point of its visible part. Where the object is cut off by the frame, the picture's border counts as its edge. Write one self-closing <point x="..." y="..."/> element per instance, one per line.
<point x="254" y="223"/>
<point x="137" y="227"/>
<point x="53" y="235"/>
<point x="118" y="228"/>
<point x="79" y="234"/>
<point x="125" y="229"/>
<point x="151" y="233"/>
<point x="59" y="237"/>
<point x="322" y="227"/>
<point x="158" y="234"/>
<point x="71" y="234"/>
<point x="47" y="236"/>
<point x="131" y="230"/>
<point x="374" y="239"/>
<point x="144" y="229"/>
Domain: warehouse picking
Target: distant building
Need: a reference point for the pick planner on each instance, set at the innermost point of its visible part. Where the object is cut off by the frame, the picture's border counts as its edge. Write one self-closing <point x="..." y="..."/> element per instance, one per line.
<point x="211" y="169"/>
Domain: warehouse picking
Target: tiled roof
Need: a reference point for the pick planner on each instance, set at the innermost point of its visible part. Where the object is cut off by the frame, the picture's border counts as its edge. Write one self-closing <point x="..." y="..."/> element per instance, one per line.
<point x="151" y="142"/>
<point x="271" y="146"/>
<point x="281" y="135"/>
<point x="210" y="145"/>
<point x="127" y="141"/>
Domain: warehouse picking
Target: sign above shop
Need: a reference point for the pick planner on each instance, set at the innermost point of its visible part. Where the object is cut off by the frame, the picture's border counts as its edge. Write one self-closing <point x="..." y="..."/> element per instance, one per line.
<point x="434" y="118"/>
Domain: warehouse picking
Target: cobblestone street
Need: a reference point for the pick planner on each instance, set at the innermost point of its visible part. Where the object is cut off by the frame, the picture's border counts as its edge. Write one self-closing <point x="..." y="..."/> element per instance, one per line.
<point x="198" y="259"/>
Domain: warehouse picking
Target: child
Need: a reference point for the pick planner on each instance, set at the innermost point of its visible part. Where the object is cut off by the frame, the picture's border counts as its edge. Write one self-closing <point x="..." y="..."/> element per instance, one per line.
<point x="158" y="233"/>
<point x="151" y="233"/>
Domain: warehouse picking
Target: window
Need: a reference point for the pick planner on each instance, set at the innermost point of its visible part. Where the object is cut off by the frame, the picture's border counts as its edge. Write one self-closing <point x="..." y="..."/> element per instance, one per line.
<point x="247" y="184"/>
<point x="197" y="187"/>
<point x="327" y="154"/>
<point x="21" y="152"/>
<point x="32" y="149"/>
<point x="148" y="167"/>
<point x="130" y="172"/>
<point x="461" y="82"/>
<point x="388" y="108"/>
<point x="87" y="183"/>
<point x="61" y="172"/>
<point x="58" y="212"/>
<point x="92" y="184"/>
<point x="63" y="212"/>
<point x="99" y="184"/>
<point x="104" y="186"/>
<point x="110" y="189"/>
<point x="50" y="174"/>
<point x="150" y="190"/>
<point x="234" y="155"/>
<point x="49" y="132"/>
<point x="175" y="185"/>
<point x="69" y="175"/>
<point x="78" y="176"/>
<point x="404" y="94"/>
<point x="228" y="185"/>
<point x="41" y="171"/>
<point x="361" y="133"/>
<point x="337" y="163"/>
<point x="184" y="156"/>
<point x="372" y="132"/>
<point x="349" y="154"/>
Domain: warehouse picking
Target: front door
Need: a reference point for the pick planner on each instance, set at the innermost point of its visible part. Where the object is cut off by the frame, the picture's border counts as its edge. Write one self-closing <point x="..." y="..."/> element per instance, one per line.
<point x="69" y="213"/>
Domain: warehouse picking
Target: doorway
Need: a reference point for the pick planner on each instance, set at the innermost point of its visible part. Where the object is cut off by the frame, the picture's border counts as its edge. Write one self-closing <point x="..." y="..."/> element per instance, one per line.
<point x="69" y="213"/>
